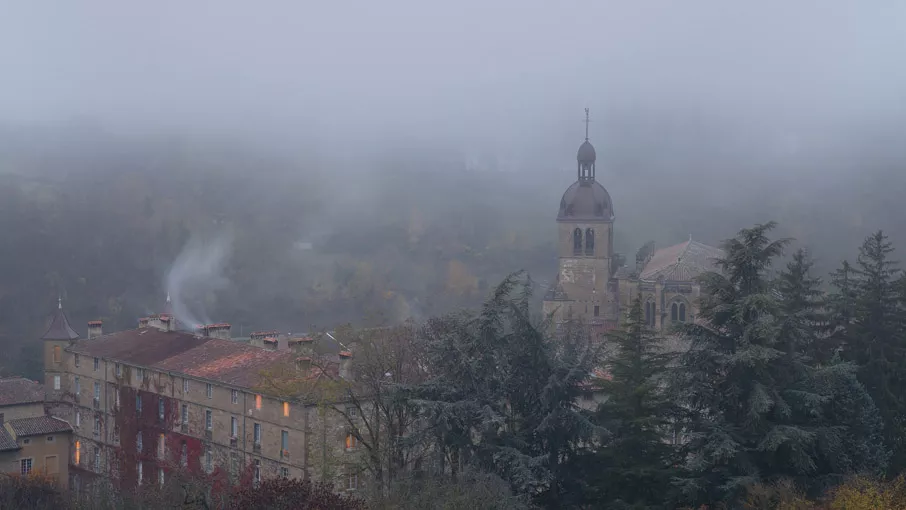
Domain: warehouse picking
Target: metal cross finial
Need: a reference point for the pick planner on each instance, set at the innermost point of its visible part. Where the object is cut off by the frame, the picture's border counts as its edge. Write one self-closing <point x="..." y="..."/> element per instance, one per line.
<point x="168" y="297"/>
<point x="586" y="124"/>
<point x="59" y="302"/>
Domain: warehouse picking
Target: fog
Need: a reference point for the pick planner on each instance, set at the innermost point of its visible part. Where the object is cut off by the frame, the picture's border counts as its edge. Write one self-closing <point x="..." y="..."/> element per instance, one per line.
<point x="419" y="149"/>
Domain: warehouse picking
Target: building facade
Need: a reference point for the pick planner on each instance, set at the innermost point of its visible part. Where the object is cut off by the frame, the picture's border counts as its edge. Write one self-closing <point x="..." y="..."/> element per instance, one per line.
<point x="594" y="286"/>
<point x="156" y="402"/>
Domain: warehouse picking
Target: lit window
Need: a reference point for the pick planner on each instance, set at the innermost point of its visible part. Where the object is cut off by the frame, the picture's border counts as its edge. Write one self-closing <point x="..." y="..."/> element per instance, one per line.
<point x="256" y="435"/>
<point x="234" y="396"/>
<point x="57" y="354"/>
<point x="208" y="420"/>
<point x="286" y="409"/>
<point x="25" y="466"/>
<point x="97" y="364"/>
<point x="76" y="360"/>
<point x="138" y="442"/>
<point x="56" y="382"/>
<point x="209" y="390"/>
<point x="234" y="427"/>
<point x="78" y="452"/>
<point x="257" y="401"/>
<point x="185" y="385"/>
<point x="78" y="385"/>
<point x="118" y="370"/>
<point x="185" y="414"/>
<point x="350" y="441"/>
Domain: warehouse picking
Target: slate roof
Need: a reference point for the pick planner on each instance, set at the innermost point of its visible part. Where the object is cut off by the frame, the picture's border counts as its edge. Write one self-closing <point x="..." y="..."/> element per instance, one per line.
<point x="681" y="262"/>
<point x="59" y="328"/>
<point x="19" y="390"/>
<point x="6" y="441"/>
<point x="233" y="363"/>
<point x="38" y="426"/>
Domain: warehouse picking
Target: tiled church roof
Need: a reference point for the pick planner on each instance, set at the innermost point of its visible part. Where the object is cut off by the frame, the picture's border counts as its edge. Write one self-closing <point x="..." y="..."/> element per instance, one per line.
<point x="681" y="262"/>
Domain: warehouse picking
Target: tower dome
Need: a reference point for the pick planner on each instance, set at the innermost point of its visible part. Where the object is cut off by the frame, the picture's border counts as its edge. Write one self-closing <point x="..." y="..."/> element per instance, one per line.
<point x="586" y="199"/>
<point x="586" y="153"/>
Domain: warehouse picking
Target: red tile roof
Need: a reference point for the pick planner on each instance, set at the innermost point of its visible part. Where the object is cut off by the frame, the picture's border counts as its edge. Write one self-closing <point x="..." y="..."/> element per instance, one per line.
<point x="225" y="361"/>
<point x="18" y="390"/>
<point x="681" y="262"/>
<point x="38" y="426"/>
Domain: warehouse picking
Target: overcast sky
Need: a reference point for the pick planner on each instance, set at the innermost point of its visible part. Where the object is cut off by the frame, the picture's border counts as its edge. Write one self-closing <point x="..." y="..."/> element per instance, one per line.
<point x="470" y="68"/>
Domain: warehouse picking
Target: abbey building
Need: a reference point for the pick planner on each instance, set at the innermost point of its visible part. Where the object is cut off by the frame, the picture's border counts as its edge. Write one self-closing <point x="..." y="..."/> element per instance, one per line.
<point x="592" y="285"/>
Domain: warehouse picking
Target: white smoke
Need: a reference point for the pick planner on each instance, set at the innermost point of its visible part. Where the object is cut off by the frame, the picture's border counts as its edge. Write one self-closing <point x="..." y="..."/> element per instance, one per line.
<point x="195" y="274"/>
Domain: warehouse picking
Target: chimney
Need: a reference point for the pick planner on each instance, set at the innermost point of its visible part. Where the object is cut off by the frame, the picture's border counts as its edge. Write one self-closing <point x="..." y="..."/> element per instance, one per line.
<point x="257" y="337"/>
<point x="220" y="330"/>
<point x="303" y="364"/>
<point x="143" y="323"/>
<point x="346" y="365"/>
<point x="161" y="321"/>
<point x="302" y="345"/>
<point x="94" y="329"/>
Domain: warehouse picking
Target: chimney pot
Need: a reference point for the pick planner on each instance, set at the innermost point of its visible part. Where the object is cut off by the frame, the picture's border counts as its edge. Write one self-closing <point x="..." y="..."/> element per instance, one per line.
<point x="346" y="365"/>
<point x="95" y="329"/>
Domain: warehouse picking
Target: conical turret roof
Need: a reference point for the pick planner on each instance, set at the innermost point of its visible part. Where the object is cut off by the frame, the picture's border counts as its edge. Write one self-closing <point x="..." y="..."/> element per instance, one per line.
<point x="59" y="328"/>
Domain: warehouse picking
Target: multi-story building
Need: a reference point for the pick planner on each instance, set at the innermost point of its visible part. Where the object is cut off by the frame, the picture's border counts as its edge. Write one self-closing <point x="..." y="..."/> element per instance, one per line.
<point x="153" y="402"/>
<point x="30" y="441"/>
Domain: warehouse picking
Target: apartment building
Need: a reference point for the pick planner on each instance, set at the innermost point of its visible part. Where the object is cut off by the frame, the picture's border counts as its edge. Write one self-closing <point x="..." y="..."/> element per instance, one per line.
<point x="153" y="402"/>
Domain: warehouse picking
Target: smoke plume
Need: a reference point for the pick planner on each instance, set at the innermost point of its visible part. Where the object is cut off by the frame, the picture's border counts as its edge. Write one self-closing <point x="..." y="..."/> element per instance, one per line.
<point x="196" y="274"/>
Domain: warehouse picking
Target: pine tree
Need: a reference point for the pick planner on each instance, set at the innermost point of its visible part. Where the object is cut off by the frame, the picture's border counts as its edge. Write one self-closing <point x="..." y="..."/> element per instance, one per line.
<point x="761" y="409"/>
<point x="633" y="466"/>
<point x="874" y="339"/>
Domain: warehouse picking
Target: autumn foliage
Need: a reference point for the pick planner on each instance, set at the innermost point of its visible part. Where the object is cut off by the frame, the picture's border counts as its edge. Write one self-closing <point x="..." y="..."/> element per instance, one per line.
<point x="277" y="494"/>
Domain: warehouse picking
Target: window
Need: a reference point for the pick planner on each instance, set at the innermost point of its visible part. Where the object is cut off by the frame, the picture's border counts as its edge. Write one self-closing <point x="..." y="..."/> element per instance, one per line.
<point x="184" y="454"/>
<point x="577" y="241"/>
<point x="258" y="402"/>
<point x="234" y="427"/>
<point x="97" y="390"/>
<point x="234" y="396"/>
<point x="50" y="439"/>
<point x="209" y="390"/>
<point x="138" y="442"/>
<point x="160" y="408"/>
<point x="589" y="242"/>
<point x="597" y="311"/>
<point x="257" y="471"/>
<point x="208" y="420"/>
<point x="284" y="472"/>
<point x="97" y="459"/>
<point x="117" y="397"/>
<point x="256" y="434"/>
<point x="118" y="370"/>
<point x="185" y="385"/>
<point x="57" y="354"/>
<point x="352" y="412"/>
<point x="138" y="470"/>
<point x="682" y="312"/>
<point x="26" y="441"/>
<point x="139" y="374"/>
<point x="352" y="481"/>
<point x="97" y="425"/>
<point x="185" y="414"/>
<point x="25" y="466"/>
<point x="76" y="360"/>
<point x="284" y="443"/>
<point x="350" y="441"/>
<point x="649" y="313"/>
<point x="97" y="364"/>
<point x="78" y="419"/>
<point x="160" y="476"/>
<point x="56" y="382"/>
<point x="208" y="460"/>
<point x="78" y="452"/>
<point x="674" y="313"/>
<point x="161" y="447"/>
<point x="138" y="404"/>
<point x="78" y="385"/>
<point x="116" y="433"/>
<point x="286" y="409"/>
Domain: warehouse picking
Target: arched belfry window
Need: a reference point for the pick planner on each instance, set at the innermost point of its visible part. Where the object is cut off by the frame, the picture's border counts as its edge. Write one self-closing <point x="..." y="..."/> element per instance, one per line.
<point x="589" y="241"/>
<point x="649" y="313"/>
<point x="674" y="311"/>
<point x="577" y="241"/>
<point x="682" y="312"/>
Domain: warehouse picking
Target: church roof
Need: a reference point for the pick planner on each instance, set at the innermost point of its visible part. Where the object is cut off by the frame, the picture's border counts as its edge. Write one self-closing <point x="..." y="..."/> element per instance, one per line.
<point x="59" y="327"/>
<point x="585" y="200"/>
<point x="681" y="262"/>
